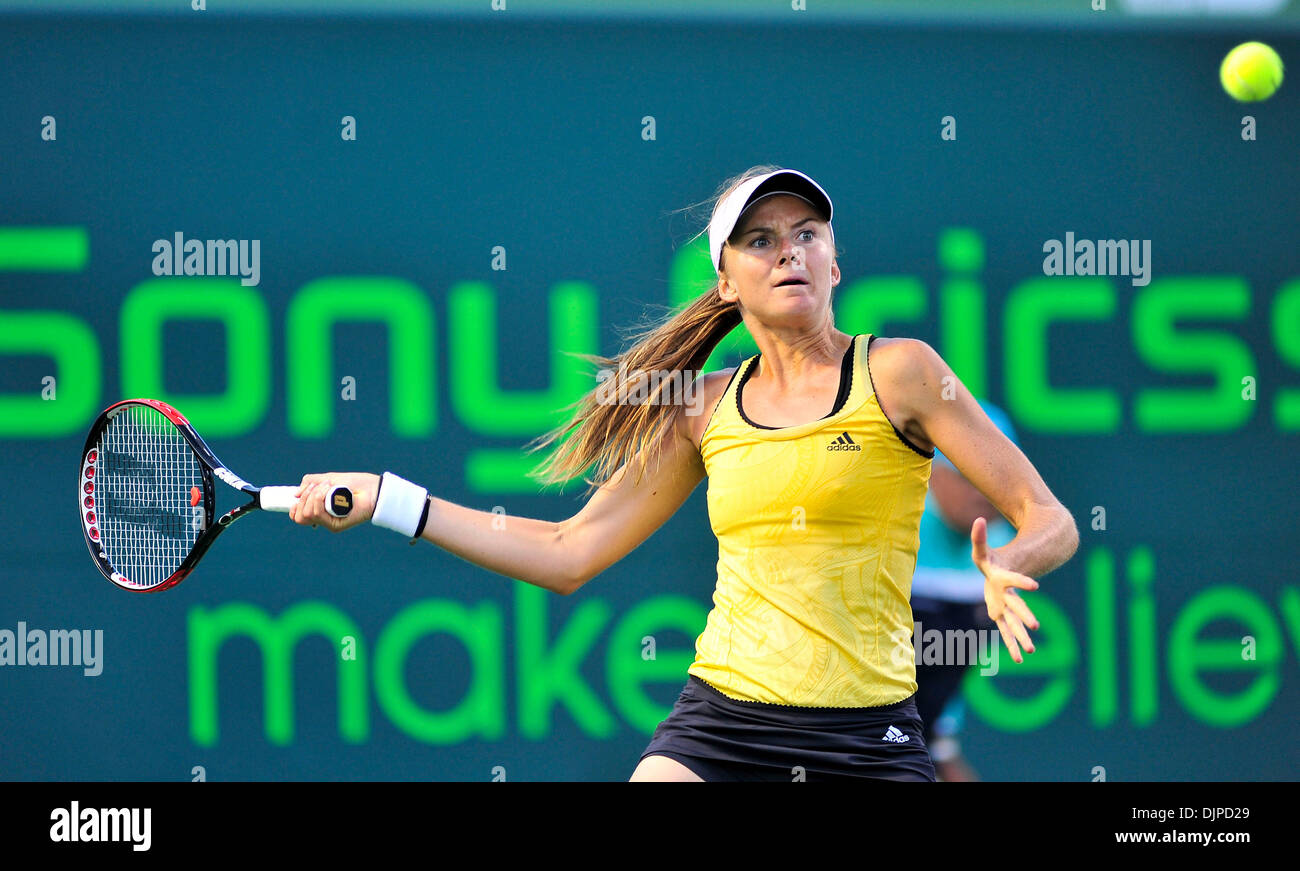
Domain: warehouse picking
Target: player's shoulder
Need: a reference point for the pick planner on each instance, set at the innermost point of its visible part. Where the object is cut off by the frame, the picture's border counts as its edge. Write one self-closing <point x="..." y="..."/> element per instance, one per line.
<point x="709" y="389"/>
<point x="904" y="362"/>
<point x="717" y="381"/>
<point x="908" y="378"/>
<point x="714" y="384"/>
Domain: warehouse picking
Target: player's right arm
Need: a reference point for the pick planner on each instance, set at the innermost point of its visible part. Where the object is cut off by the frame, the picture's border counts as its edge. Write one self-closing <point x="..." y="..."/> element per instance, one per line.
<point x="562" y="556"/>
<point x="558" y="556"/>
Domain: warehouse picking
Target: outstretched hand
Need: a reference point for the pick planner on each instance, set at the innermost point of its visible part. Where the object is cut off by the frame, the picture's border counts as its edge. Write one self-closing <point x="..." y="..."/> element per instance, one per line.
<point x="1006" y="608"/>
<point x="309" y="510"/>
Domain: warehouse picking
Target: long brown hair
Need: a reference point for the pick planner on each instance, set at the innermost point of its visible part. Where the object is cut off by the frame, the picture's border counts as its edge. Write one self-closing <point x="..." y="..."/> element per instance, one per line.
<point x="611" y="434"/>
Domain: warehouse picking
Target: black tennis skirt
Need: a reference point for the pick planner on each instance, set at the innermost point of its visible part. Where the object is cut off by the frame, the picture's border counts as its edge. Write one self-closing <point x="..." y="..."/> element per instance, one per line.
<point x="721" y="738"/>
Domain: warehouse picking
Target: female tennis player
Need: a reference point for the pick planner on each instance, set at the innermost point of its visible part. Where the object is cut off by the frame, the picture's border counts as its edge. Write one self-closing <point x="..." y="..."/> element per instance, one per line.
<point x="817" y="452"/>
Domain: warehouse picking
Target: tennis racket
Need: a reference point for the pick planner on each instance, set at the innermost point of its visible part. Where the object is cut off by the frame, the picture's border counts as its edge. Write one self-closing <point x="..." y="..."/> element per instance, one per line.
<point x="148" y="498"/>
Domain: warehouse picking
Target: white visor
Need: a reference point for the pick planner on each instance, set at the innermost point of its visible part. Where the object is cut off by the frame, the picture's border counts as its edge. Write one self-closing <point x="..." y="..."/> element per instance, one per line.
<point x="783" y="181"/>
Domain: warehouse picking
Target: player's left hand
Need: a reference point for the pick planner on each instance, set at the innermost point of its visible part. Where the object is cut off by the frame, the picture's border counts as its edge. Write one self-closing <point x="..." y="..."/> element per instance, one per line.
<point x="1006" y="608"/>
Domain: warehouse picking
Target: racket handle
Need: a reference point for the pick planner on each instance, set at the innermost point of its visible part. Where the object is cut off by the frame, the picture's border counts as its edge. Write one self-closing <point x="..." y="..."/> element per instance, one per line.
<point x="338" y="501"/>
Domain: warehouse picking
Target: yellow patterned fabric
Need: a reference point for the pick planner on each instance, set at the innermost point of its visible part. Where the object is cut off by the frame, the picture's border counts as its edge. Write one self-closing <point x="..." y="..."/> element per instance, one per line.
<point x="817" y="529"/>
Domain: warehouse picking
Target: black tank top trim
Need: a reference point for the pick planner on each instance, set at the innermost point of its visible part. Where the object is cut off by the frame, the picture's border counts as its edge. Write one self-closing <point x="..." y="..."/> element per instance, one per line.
<point x="846" y="386"/>
<point x="714" y="413"/>
<point x="903" y="438"/>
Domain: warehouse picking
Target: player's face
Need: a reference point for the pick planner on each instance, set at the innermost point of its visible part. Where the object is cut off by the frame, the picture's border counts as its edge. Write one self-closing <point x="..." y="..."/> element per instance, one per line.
<point x="780" y="238"/>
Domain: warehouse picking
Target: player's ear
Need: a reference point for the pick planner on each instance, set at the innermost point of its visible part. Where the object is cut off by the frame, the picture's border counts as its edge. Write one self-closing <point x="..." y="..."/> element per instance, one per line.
<point x="726" y="291"/>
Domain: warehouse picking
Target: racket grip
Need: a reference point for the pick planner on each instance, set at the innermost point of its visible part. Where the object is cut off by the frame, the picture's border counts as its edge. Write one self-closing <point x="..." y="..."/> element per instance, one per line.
<point x="338" y="501"/>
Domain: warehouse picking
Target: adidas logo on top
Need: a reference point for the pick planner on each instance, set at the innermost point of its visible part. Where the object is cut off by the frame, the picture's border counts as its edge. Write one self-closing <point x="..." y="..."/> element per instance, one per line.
<point x="844" y="443"/>
<point x="896" y="736"/>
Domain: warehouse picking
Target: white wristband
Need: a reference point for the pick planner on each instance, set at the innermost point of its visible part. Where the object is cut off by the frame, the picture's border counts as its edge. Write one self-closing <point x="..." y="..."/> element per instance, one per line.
<point x="400" y="505"/>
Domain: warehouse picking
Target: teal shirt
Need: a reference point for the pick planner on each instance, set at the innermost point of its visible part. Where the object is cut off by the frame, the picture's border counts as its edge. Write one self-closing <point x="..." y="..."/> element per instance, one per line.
<point x="944" y="569"/>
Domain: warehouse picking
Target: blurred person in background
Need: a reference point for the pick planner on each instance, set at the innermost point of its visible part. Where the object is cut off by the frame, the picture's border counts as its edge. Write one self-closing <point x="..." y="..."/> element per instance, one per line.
<point x="948" y="594"/>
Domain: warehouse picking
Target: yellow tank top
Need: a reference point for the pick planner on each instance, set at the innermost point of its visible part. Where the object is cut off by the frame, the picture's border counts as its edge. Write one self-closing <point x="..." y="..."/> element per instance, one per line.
<point x="817" y="528"/>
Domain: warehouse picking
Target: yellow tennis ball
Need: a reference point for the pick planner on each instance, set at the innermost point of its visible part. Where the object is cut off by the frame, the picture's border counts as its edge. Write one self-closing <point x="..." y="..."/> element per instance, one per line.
<point x="1252" y="71"/>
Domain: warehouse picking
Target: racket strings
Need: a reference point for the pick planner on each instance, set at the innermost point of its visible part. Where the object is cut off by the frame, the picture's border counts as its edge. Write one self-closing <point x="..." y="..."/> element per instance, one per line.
<point x="146" y="471"/>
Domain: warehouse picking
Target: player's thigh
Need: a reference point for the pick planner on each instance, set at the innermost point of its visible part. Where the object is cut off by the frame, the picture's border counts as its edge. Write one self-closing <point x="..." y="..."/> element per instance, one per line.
<point x="661" y="768"/>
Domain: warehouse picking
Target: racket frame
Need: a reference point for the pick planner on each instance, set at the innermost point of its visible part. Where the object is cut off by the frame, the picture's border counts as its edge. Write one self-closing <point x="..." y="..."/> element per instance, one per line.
<point x="210" y="467"/>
